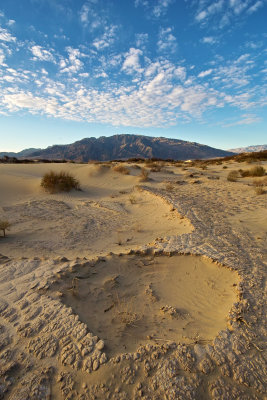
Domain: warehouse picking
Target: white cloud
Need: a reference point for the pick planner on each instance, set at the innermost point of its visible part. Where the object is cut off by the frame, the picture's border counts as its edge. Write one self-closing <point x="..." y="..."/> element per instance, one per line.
<point x="132" y="62"/>
<point x="224" y="10"/>
<point x="106" y="39"/>
<point x="2" y="56"/>
<point x="205" y="73"/>
<point x="238" y="5"/>
<point x="161" y="8"/>
<point x="73" y="64"/>
<point x="167" y="41"/>
<point x="41" y="54"/>
<point x="246" y="119"/>
<point x="141" y="39"/>
<point x="6" y="36"/>
<point x="255" y="7"/>
<point x="11" y="22"/>
<point x="209" y="40"/>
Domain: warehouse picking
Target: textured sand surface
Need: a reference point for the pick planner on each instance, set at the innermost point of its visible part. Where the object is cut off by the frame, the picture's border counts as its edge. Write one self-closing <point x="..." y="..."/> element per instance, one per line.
<point x="177" y="312"/>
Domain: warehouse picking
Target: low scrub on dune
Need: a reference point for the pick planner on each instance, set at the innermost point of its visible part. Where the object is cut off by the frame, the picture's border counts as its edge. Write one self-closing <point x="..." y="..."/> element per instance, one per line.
<point x="121" y="169"/>
<point x="232" y="176"/>
<point x="4" y="226"/>
<point x="143" y="176"/>
<point x="259" y="190"/>
<point x="54" y="182"/>
<point x="255" y="171"/>
<point x="260" y="182"/>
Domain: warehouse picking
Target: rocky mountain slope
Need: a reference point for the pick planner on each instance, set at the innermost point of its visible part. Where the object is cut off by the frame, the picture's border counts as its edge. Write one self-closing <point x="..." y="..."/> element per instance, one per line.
<point x="128" y="146"/>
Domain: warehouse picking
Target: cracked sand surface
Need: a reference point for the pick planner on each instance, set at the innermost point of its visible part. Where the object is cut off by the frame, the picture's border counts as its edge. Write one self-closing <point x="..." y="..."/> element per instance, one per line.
<point x="47" y="352"/>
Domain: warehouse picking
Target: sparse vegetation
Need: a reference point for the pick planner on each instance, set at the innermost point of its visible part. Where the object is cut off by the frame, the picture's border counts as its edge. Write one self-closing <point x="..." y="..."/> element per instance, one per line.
<point x="255" y="171"/>
<point x="4" y="226"/>
<point x="259" y="190"/>
<point x="232" y="176"/>
<point x="54" y="182"/>
<point x="99" y="169"/>
<point x="169" y="187"/>
<point x="260" y="182"/>
<point x="121" y="169"/>
<point x="132" y="199"/>
<point x="143" y="177"/>
<point x="125" y="312"/>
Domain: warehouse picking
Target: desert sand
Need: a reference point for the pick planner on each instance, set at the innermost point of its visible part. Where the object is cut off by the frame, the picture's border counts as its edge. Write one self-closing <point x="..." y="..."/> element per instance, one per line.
<point x="130" y="289"/>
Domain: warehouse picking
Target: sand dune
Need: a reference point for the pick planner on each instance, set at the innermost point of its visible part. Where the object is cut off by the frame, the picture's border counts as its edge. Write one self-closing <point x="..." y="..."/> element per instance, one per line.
<point x="129" y="289"/>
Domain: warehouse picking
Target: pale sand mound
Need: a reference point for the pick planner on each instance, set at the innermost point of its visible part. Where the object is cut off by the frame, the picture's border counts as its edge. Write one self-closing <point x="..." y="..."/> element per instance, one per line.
<point x="108" y="215"/>
<point x="130" y="300"/>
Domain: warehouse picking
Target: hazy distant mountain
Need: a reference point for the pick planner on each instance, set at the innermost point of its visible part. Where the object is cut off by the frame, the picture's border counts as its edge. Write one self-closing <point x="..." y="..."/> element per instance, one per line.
<point x="128" y="146"/>
<point x="249" y="149"/>
<point x="23" y="153"/>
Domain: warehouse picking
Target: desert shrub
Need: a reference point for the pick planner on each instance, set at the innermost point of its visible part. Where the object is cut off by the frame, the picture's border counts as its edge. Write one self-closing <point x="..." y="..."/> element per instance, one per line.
<point x="132" y="199"/>
<point x="169" y="187"/>
<point x="4" y="226"/>
<point x="154" y="166"/>
<point x="54" y="182"/>
<point x="259" y="190"/>
<point x="121" y="169"/>
<point x="225" y="166"/>
<point x="255" y="171"/>
<point x="99" y="169"/>
<point x="143" y="176"/>
<point x="232" y="176"/>
<point x="260" y="182"/>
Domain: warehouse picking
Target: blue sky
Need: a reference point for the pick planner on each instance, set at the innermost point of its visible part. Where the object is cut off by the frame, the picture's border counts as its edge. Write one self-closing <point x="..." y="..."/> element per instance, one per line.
<point x="187" y="69"/>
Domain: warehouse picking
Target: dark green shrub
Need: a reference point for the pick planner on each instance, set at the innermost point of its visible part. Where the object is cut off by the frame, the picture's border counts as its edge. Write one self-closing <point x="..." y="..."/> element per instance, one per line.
<point x="54" y="182"/>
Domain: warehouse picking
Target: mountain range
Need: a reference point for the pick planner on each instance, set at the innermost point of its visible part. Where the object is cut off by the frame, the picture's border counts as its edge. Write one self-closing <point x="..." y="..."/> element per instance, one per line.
<point x="122" y="147"/>
<point x="249" y="149"/>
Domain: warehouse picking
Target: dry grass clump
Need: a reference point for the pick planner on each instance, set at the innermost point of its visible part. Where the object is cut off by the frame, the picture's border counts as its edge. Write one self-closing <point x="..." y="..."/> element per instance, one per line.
<point x="169" y="187"/>
<point x="4" y="226"/>
<point x="232" y="176"/>
<point x="260" y="182"/>
<point x="125" y="312"/>
<point x="255" y="171"/>
<point x="132" y="199"/>
<point x="121" y="169"/>
<point x="54" y="182"/>
<point x="259" y="190"/>
<point x="99" y="169"/>
<point x="154" y="166"/>
<point x="143" y="176"/>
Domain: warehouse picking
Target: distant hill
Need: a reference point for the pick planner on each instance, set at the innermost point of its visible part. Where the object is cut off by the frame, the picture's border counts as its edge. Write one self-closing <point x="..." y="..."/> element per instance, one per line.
<point x="127" y="146"/>
<point x="249" y="149"/>
<point x="23" y="153"/>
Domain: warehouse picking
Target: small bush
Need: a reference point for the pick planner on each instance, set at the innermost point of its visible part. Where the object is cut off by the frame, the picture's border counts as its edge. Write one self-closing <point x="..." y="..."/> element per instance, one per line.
<point x="4" y="226"/>
<point x="232" y="176"/>
<point x="62" y="181"/>
<point x="255" y="171"/>
<point x="121" y="169"/>
<point x="225" y="166"/>
<point x="132" y="199"/>
<point x="169" y="187"/>
<point x="143" y="177"/>
<point x="259" y="190"/>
